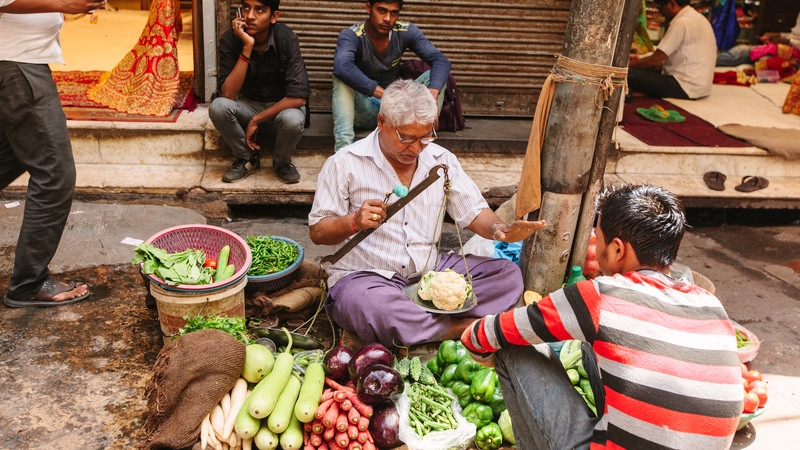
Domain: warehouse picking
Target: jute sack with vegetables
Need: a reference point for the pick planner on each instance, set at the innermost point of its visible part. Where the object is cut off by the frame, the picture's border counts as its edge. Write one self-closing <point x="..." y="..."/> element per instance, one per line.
<point x="191" y="375"/>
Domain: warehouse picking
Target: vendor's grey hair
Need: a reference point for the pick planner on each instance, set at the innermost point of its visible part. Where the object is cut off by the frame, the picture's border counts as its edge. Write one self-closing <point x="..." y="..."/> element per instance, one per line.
<point x="407" y="101"/>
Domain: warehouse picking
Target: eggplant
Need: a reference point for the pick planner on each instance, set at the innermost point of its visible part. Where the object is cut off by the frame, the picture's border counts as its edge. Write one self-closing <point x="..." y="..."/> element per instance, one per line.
<point x="335" y="363"/>
<point x="370" y="354"/>
<point x="377" y="383"/>
<point x="384" y="427"/>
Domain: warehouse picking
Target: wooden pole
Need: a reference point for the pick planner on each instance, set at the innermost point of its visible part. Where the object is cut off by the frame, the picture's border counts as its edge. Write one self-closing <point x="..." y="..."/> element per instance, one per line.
<point x="608" y="122"/>
<point x="569" y="142"/>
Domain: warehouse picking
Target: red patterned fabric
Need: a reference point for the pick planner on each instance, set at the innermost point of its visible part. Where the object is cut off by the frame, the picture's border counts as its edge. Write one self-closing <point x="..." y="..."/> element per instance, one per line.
<point x="792" y="102"/>
<point x="147" y="80"/>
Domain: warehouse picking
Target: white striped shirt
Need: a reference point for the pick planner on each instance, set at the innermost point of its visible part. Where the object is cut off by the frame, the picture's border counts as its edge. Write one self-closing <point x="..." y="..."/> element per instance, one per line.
<point x="408" y="239"/>
<point x="691" y="49"/>
<point x="30" y="38"/>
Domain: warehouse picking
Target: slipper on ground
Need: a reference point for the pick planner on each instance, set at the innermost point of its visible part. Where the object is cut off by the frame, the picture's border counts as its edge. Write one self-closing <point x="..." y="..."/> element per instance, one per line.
<point x="44" y="298"/>
<point x="752" y="183"/>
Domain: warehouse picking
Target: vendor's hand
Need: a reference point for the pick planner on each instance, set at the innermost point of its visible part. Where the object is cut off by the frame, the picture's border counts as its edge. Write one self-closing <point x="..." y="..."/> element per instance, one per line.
<point x="239" y="26"/>
<point x="250" y="135"/>
<point x="516" y="231"/>
<point x="434" y="93"/>
<point x="371" y="214"/>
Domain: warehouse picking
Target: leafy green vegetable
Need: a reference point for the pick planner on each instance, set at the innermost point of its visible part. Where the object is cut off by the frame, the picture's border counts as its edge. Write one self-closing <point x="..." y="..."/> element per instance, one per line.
<point x="235" y="326"/>
<point x="184" y="267"/>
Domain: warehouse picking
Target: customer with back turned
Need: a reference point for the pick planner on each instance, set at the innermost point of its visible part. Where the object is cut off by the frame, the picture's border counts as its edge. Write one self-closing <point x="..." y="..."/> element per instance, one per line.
<point x="669" y="374"/>
<point x="367" y="60"/>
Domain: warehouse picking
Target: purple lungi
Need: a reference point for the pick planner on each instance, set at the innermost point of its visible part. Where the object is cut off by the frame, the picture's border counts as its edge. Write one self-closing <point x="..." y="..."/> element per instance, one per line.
<point x="376" y="309"/>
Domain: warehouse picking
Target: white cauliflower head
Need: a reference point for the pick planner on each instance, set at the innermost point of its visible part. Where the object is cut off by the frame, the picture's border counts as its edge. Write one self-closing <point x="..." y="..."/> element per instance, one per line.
<point x="447" y="290"/>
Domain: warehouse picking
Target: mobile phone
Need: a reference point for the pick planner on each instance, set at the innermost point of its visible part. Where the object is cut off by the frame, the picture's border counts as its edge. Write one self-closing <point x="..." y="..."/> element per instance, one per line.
<point x="239" y="12"/>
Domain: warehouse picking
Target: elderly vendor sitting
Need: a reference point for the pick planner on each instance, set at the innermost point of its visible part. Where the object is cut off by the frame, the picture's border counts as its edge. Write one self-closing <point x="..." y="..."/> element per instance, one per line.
<point x="365" y="293"/>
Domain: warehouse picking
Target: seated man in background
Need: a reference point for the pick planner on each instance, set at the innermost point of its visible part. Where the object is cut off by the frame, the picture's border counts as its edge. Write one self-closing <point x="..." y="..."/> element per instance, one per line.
<point x="365" y="294"/>
<point x="683" y="64"/>
<point x="666" y="350"/>
<point x="262" y="81"/>
<point x="367" y="59"/>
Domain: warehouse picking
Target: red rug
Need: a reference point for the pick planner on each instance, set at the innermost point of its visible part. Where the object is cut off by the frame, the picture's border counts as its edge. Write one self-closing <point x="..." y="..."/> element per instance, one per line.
<point x="695" y="132"/>
<point x="72" y="87"/>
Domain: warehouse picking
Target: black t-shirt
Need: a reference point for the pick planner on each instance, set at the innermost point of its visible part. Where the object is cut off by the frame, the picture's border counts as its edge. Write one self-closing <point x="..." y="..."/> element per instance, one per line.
<point x="265" y="82"/>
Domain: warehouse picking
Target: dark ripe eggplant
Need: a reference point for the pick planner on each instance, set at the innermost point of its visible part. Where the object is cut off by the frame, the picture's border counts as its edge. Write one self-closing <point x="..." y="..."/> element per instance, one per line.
<point x="335" y="363"/>
<point x="384" y="427"/>
<point x="370" y="354"/>
<point x="377" y="383"/>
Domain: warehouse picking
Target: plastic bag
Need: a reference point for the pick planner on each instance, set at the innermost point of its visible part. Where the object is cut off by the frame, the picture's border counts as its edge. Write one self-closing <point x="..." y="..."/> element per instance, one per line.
<point x="455" y="439"/>
<point x="479" y="246"/>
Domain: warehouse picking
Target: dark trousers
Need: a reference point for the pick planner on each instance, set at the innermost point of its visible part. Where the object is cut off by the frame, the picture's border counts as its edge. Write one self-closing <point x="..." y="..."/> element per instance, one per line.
<point x="655" y="84"/>
<point x="34" y="139"/>
<point x="546" y="411"/>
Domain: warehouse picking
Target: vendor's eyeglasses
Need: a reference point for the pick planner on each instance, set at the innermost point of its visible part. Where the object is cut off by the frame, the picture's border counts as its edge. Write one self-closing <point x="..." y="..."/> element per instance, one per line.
<point x="422" y="140"/>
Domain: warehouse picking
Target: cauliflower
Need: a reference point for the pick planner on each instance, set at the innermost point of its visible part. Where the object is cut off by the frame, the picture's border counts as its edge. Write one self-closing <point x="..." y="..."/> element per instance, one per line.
<point x="447" y="290"/>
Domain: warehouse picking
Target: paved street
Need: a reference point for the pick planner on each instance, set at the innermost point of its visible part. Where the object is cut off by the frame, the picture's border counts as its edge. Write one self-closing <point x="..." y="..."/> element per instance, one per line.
<point x="74" y="376"/>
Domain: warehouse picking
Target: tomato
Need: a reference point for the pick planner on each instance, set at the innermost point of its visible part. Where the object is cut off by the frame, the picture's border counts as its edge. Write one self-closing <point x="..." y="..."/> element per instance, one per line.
<point x="744" y="369"/>
<point x="745" y="384"/>
<point x="761" y="392"/>
<point x="210" y="263"/>
<point x="750" y="403"/>
<point x="752" y="375"/>
<point x="755" y="384"/>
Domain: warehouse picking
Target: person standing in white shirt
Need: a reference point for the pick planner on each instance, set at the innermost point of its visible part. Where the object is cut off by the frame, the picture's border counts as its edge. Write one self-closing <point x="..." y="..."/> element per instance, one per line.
<point x="34" y="139"/>
<point x="683" y="64"/>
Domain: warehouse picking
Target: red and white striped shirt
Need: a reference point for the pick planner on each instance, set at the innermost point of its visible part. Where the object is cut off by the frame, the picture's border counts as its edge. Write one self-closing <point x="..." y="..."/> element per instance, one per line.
<point x="405" y="242"/>
<point x="666" y="351"/>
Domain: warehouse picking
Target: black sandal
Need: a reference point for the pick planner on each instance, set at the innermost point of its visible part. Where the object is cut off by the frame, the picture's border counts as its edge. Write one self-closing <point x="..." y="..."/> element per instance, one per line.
<point x="44" y="298"/>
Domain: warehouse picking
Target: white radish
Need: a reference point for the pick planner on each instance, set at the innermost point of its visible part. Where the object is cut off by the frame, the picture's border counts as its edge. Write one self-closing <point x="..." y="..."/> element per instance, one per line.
<point x="218" y="421"/>
<point x="204" y="433"/>
<point x="247" y="444"/>
<point x="238" y="396"/>
<point x="226" y="405"/>
<point x="212" y="438"/>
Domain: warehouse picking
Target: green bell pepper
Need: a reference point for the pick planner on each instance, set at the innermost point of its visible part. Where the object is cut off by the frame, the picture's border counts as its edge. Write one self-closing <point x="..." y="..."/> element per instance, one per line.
<point x="479" y="414"/>
<point x="466" y="370"/>
<point x="461" y="351"/>
<point x="497" y="403"/>
<point x="461" y="390"/>
<point x="483" y="385"/>
<point x="449" y="374"/>
<point x="489" y="437"/>
<point x="447" y="353"/>
<point x="433" y="366"/>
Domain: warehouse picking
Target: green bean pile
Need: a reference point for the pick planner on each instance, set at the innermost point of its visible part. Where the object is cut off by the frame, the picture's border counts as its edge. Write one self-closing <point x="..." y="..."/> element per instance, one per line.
<point x="270" y="255"/>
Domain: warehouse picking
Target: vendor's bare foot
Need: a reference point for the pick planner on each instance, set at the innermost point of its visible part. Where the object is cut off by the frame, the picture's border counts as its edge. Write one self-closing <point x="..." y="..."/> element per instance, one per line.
<point x="78" y="291"/>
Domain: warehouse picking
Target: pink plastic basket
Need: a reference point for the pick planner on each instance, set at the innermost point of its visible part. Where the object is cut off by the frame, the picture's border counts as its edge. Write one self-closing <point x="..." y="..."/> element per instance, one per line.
<point x="210" y="239"/>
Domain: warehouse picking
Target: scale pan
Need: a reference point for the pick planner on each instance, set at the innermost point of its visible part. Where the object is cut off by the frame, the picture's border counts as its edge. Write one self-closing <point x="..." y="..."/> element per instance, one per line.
<point x="411" y="292"/>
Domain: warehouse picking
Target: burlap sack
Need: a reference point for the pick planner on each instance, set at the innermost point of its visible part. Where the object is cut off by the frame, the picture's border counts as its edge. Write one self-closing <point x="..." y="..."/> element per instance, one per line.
<point x="303" y="293"/>
<point x="190" y="376"/>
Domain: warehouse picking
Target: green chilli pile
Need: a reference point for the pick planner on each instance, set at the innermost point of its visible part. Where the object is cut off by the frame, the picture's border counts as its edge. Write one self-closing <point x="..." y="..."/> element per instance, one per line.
<point x="270" y="255"/>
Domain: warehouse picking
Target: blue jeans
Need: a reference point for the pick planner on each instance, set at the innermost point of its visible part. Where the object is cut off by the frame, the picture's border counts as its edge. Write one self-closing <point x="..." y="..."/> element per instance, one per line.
<point x="734" y="56"/>
<point x="546" y="410"/>
<point x="353" y="110"/>
<point x="230" y="118"/>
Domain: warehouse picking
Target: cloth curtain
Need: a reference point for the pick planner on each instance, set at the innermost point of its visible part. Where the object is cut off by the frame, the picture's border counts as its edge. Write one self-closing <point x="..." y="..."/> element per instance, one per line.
<point x="723" y="21"/>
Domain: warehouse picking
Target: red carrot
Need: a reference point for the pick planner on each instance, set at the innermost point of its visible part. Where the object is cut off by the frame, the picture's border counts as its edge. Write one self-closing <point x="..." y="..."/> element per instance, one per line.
<point x="330" y="416"/>
<point x="363" y="436"/>
<point x="342" y="440"/>
<point x="354" y="445"/>
<point x="307" y="427"/>
<point x="340" y="396"/>
<point x="326" y="394"/>
<point x="363" y="424"/>
<point x="332" y="445"/>
<point x="353" y="416"/>
<point x="315" y="439"/>
<point x="338" y="386"/>
<point x="352" y="432"/>
<point x="322" y="408"/>
<point x="367" y="446"/>
<point x="328" y="434"/>
<point x="346" y="405"/>
<point x="324" y="446"/>
<point x="362" y="407"/>
<point x="317" y="427"/>
<point x="341" y="421"/>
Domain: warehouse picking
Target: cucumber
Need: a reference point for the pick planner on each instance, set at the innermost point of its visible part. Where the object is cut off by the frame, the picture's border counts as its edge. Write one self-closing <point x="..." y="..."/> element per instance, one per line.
<point x="292" y="438"/>
<point x="222" y="260"/>
<point x="265" y="394"/>
<point x="246" y="426"/>
<point x="230" y="269"/>
<point x="281" y="415"/>
<point x="308" y="400"/>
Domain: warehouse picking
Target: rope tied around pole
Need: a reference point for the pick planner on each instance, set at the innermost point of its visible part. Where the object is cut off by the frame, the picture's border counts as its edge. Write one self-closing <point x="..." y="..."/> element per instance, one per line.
<point x="607" y="77"/>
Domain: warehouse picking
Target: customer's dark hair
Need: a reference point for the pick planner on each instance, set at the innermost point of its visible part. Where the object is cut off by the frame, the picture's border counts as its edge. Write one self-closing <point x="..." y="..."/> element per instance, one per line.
<point x="273" y="5"/>
<point x="678" y="2"/>
<point x="649" y="218"/>
<point x="399" y="2"/>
